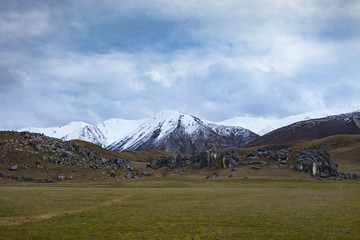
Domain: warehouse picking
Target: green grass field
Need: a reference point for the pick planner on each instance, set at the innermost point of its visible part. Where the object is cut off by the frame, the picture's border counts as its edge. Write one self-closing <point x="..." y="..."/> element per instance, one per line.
<point x="164" y="208"/>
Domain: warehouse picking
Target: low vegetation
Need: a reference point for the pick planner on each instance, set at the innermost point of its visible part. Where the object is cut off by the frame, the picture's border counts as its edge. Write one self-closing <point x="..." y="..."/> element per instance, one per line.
<point x="169" y="208"/>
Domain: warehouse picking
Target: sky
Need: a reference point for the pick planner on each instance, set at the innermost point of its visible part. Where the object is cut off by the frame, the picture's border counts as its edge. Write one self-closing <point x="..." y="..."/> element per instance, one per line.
<point x="86" y="60"/>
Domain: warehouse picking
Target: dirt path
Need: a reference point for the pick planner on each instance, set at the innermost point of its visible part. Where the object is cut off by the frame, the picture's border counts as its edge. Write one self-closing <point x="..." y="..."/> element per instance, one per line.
<point x="10" y="221"/>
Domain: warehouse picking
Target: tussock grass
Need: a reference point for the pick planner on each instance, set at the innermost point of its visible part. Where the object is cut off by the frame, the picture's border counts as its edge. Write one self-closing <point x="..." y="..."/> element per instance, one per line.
<point x="182" y="209"/>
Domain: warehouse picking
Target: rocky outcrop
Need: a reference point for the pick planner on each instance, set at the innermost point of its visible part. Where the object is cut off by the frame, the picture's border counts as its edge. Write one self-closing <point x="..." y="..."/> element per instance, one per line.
<point x="56" y="151"/>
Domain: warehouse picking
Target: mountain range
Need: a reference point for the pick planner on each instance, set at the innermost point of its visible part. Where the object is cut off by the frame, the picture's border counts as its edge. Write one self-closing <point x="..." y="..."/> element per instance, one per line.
<point x="176" y="132"/>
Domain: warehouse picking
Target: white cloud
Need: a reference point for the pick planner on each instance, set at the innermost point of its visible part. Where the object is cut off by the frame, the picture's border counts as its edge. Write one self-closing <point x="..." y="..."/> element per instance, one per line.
<point x="15" y="26"/>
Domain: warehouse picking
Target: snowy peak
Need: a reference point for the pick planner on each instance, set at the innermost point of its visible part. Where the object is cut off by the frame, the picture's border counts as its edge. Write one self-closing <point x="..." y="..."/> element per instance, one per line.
<point x="182" y="133"/>
<point x="170" y="120"/>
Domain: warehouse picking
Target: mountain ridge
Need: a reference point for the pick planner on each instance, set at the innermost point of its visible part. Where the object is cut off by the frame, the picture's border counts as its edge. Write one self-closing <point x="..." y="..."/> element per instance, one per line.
<point x="348" y="123"/>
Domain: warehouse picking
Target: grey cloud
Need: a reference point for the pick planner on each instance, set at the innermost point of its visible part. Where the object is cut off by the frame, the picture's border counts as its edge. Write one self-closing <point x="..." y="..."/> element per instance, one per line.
<point x="7" y="80"/>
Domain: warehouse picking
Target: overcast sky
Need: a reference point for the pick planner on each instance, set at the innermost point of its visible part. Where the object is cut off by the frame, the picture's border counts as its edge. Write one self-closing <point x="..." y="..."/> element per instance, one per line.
<point x="63" y="61"/>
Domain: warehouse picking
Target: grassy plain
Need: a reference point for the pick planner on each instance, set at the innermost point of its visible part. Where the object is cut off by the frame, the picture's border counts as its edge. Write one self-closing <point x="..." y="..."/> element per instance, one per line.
<point x="168" y="208"/>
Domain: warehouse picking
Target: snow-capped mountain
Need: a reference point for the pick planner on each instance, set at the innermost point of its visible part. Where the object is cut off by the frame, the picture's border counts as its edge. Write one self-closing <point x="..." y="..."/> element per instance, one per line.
<point x="181" y="133"/>
<point x="262" y="126"/>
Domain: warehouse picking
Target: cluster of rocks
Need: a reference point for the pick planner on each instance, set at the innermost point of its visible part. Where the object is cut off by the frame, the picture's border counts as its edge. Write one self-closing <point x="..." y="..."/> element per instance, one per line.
<point x="170" y="162"/>
<point x="205" y="159"/>
<point x="29" y="179"/>
<point x="281" y="155"/>
<point x="62" y="177"/>
<point x="128" y="175"/>
<point x="348" y="176"/>
<point x="231" y="159"/>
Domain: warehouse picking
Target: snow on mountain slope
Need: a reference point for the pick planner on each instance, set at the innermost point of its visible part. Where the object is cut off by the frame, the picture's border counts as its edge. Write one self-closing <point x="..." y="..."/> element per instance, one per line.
<point x="262" y="126"/>
<point x="58" y="132"/>
<point x="181" y="133"/>
<point x="73" y="130"/>
<point x="115" y="129"/>
<point x="103" y="134"/>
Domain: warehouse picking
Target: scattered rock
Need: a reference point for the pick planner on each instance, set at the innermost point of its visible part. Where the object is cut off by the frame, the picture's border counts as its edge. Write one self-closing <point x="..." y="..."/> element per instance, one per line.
<point x="231" y="175"/>
<point x="14" y="168"/>
<point x="26" y="166"/>
<point x="255" y="167"/>
<point x="61" y="177"/>
<point x="128" y="175"/>
<point x="212" y="176"/>
<point x="336" y="179"/>
<point x="112" y="173"/>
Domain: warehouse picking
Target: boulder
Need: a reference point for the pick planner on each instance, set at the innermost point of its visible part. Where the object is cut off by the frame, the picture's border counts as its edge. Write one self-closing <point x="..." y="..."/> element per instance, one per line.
<point x="128" y="175"/>
<point x="205" y="159"/>
<point x="316" y="163"/>
<point x="112" y="173"/>
<point x="228" y="162"/>
<point x="153" y="164"/>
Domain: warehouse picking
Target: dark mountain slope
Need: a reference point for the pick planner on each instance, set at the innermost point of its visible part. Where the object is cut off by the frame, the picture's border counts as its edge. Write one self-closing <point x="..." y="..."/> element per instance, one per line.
<point x="312" y="129"/>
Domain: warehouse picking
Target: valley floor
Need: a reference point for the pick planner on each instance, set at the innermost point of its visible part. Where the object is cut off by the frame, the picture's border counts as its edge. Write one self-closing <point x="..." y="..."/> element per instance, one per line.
<point x="172" y="208"/>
